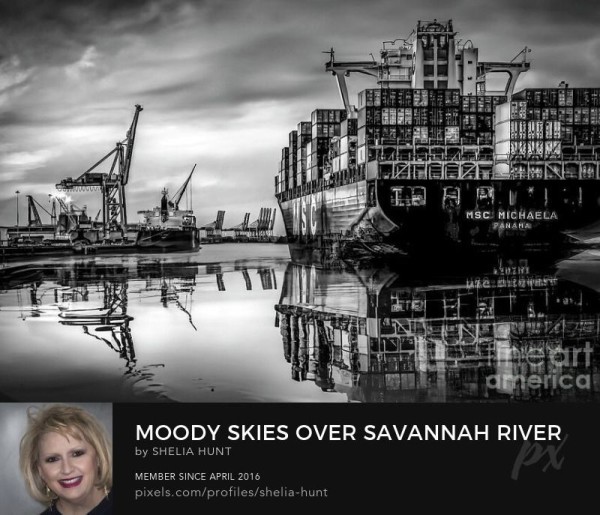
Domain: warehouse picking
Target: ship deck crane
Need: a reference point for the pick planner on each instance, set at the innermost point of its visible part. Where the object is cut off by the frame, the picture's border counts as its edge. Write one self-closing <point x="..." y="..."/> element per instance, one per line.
<point x="111" y="184"/>
<point x="180" y="192"/>
<point x="513" y="69"/>
<point x="340" y="70"/>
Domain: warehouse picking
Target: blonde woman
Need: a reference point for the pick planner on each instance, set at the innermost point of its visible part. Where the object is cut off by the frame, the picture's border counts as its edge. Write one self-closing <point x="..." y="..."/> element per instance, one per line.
<point x="66" y="461"/>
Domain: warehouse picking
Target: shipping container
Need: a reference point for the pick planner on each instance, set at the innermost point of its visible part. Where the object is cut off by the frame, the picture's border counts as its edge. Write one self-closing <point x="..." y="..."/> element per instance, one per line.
<point x="349" y="127"/>
<point x="304" y="128"/>
<point x="518" y="110"/>
<point x="518" y="148"/>
<point x="485" y="137"/>
<point x="550" y="113"/>
<point x="293" y="141"/>
<point x="361" y="155"/>
<point x="303" y="140"/>
<point x="328" y="116"/>
<point x="344" y="161"/>
<point x="535" y="148"/>
<point x="452" y="98"/>
<point x="552" y="149"/>
<point x="518" y="130"/>
<point x="565" y="98"/>
<point x="362" y="136"/>
<point x="535" y="130"/>
<point x="484" y="122"/>
<point x="451" y="116"/>
<point x="420" y="134"/>
<point x="566" y="133"/>
<point x="552" y="130"/>
<point x="362" y="117"/>
<point x="420" y="97"/>
<point x="452" y="134"/>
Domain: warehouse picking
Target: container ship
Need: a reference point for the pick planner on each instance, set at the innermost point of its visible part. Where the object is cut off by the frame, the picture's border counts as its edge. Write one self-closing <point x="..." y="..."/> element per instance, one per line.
<point x="433" y="160"/>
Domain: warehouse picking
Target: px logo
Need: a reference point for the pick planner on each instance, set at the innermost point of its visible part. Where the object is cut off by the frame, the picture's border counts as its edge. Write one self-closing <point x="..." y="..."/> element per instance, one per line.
<point x="532" y="453"/>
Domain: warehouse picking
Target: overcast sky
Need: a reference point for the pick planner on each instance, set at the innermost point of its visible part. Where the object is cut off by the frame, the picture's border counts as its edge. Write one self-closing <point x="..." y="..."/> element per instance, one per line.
<point x="222" y="83"/>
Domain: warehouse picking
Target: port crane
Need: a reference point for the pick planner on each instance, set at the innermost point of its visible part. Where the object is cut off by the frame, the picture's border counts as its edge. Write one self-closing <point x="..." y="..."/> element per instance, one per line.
<point x="111" y="184"/>
<point x="34" y="219"/>
<point x="265" y="223"/>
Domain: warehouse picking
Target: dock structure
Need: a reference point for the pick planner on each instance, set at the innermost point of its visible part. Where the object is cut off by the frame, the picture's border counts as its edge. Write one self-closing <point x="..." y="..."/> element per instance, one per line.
<point x="238" y="233"/>
<point x="262" y="228"/>
<point x="213" y="232"/>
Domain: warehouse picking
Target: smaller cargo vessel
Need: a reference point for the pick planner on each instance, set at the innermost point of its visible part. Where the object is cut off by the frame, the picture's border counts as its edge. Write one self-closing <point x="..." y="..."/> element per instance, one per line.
<point x="167" y="227"/>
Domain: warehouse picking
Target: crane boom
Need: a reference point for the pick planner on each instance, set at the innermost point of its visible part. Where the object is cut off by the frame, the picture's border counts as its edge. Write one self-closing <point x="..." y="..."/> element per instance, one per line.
<point x="34" y="216"/>
<point x="179" y="194"/>
<point x="130" y="142"/>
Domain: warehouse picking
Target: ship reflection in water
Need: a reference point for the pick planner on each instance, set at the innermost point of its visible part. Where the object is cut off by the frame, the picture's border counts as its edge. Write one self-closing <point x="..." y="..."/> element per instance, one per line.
<point x="509" y="334"/>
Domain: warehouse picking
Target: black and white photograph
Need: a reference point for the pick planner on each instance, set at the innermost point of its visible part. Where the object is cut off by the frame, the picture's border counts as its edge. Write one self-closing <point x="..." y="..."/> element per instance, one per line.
<point x="210" y="203"/>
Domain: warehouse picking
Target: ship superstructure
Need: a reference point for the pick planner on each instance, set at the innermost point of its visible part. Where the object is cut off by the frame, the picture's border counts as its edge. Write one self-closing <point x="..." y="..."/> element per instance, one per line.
<point x="432" y="156"/>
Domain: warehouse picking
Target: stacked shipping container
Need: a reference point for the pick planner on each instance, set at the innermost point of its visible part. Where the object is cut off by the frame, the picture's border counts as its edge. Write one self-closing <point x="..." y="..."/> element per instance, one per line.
<point x="293" y="159"/>
<point x="325" y="125"/>
<point x="304" y="133"/>
<point x="536" y="124"/>
<point x="342" y="154"/>
<point x="577" y="110"/>
<point x="282" y="183"/>
<point x="424" y="116"/>
<point x="477" y="118"/>
<point x="545" y="121"/>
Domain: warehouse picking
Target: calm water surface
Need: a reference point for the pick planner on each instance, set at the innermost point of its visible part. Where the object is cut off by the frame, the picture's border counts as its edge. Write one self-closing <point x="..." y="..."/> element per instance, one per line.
<point x="240" y="323"/>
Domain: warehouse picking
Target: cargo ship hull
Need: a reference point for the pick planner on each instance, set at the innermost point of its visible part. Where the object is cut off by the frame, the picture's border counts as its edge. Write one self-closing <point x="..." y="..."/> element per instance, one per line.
<point x="148" y="241"/>
<point x="161" y="240"/>
<point x="398" y="218"/>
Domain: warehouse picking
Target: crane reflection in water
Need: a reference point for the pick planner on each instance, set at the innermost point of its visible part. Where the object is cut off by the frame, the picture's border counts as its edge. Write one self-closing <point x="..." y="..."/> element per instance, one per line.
<point x="110" y="301"/>
<point x="508" y="333"/>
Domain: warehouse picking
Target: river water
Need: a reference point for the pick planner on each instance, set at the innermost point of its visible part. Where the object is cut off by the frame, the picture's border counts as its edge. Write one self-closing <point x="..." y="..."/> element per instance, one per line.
<point x="241" y="323"/>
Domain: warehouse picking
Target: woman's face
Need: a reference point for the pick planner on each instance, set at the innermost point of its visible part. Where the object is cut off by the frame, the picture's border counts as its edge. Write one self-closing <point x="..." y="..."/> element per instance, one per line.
<point x="69" y="467"/>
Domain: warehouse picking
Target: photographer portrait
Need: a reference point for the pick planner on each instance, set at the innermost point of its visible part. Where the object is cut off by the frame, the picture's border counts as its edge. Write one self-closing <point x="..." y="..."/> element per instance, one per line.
<point x="64" y="453"/>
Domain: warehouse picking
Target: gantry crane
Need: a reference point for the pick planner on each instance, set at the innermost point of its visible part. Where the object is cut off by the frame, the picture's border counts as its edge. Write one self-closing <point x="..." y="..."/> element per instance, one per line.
<point x="111" y="184"/>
